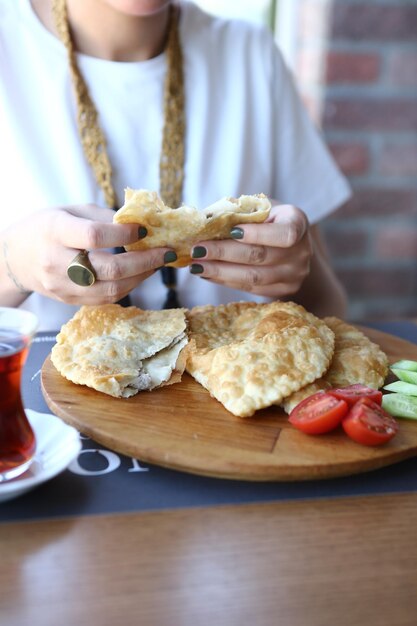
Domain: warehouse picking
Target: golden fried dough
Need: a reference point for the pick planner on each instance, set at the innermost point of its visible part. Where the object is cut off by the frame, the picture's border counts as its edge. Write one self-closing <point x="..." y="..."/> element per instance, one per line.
<point x="356" y="359"/>
<point x="250" y="356"/>
<point x="121" y="351"/>
<point x="181" y="228"/>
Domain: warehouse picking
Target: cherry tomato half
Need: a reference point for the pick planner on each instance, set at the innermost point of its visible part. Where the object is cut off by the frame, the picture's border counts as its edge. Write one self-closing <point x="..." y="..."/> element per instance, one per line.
<point x="369" y="424"/>
<point x="352" y="393"/>
<point x="318" y="414"/>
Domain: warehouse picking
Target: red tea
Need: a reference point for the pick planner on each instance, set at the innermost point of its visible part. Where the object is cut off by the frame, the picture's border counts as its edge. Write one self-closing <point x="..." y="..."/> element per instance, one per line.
<point x="17" y="441"/>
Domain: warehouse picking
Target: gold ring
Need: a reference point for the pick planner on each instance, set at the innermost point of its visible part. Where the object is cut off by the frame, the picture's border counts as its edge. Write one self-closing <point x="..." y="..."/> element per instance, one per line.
<point x="80" y="270"/>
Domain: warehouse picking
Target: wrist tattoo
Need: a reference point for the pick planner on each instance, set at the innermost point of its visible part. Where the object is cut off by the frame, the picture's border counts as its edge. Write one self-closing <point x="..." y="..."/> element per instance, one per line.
<point x="10" y="274"/>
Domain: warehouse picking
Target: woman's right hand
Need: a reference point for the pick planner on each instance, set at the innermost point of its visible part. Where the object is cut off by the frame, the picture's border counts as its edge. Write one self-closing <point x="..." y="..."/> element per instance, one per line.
<point x="37" y="250"/>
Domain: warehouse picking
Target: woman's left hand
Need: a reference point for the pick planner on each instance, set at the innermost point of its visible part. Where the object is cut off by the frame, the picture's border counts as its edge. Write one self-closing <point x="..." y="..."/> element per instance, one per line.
<point x="270" y="259"/>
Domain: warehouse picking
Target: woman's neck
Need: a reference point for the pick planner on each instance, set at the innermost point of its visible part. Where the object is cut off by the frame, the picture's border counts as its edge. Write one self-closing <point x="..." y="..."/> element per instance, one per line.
<point x="101" y="31"/>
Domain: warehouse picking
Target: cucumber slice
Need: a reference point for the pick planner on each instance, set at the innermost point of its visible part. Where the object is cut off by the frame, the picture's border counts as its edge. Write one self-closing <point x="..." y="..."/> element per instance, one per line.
<point x="402" y="387"/>
<point x="405" y="375"/>
<point x="400" y="405"/>
<point x="405" y="365"/>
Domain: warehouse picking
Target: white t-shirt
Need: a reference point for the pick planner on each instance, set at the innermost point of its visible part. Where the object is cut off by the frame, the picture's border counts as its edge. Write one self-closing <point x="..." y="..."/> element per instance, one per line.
<point x="247" y="132"/>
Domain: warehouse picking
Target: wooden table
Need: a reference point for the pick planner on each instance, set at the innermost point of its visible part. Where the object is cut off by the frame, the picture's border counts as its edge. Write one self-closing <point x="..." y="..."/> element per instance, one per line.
<point x="343" y="561"/>
<point x="339" y="561"/>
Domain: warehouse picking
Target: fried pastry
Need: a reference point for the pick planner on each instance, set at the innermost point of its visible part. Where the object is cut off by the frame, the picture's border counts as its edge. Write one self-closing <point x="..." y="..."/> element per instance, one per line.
<point x="356" y="359"/>
<point x="250" y="356"/>
<point x="120" y="351"/>
<point x="181" y="228"/>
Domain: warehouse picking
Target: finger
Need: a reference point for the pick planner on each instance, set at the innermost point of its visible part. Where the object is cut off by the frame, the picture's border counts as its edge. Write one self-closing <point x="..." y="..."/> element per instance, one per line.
<point x="116" y="267"/>
<point x="84" y="233"/>
<point x="230" y="251"/>
<point x="244" y="276"/>
<point x="128" y="264"/>
<point x="91" y="211"/>
<point x="285" y="227"/>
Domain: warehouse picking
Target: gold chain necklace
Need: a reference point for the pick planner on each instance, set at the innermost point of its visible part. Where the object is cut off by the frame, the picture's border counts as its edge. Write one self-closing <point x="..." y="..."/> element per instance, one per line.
<point x="171" y="164"/>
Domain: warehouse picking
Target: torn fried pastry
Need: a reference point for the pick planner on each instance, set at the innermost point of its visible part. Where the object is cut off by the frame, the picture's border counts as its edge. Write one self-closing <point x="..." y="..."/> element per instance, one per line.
<point x="181" y="228"/>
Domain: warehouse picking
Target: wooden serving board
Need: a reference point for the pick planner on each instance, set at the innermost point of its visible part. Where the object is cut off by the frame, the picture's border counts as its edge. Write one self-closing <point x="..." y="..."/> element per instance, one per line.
<point x="181" y="427"/>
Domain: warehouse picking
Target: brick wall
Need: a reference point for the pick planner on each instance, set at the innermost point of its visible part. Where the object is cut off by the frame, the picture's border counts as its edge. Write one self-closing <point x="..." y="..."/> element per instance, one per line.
<point x="356" y="64"/>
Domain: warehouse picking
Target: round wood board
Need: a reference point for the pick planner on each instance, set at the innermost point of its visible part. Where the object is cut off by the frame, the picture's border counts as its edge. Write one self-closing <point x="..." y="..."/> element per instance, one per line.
<point x="182" y="427"/>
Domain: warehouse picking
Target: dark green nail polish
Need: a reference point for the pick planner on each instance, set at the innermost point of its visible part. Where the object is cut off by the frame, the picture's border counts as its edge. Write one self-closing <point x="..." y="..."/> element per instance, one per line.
<point x="142" y="232"/>
<point x="170" y="256"/>
<point x="237" y="233"/>
<point x="196" y="269"/>
<point x="198" y="252"/>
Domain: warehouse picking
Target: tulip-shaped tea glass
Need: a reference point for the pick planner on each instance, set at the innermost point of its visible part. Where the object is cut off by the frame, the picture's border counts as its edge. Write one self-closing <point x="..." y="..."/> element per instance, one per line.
<point x="17" y="440"/>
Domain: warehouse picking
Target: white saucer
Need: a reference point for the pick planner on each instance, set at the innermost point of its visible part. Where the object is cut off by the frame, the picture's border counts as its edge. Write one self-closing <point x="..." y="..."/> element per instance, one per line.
<point x="57" y="444"/>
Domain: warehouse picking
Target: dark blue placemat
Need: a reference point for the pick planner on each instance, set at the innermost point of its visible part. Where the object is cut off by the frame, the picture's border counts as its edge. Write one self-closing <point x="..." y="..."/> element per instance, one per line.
<point x="101" y="481"/>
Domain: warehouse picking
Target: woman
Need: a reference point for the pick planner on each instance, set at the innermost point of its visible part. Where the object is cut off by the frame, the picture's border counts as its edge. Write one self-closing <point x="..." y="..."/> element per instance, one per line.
<point x="167" y="98"/>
